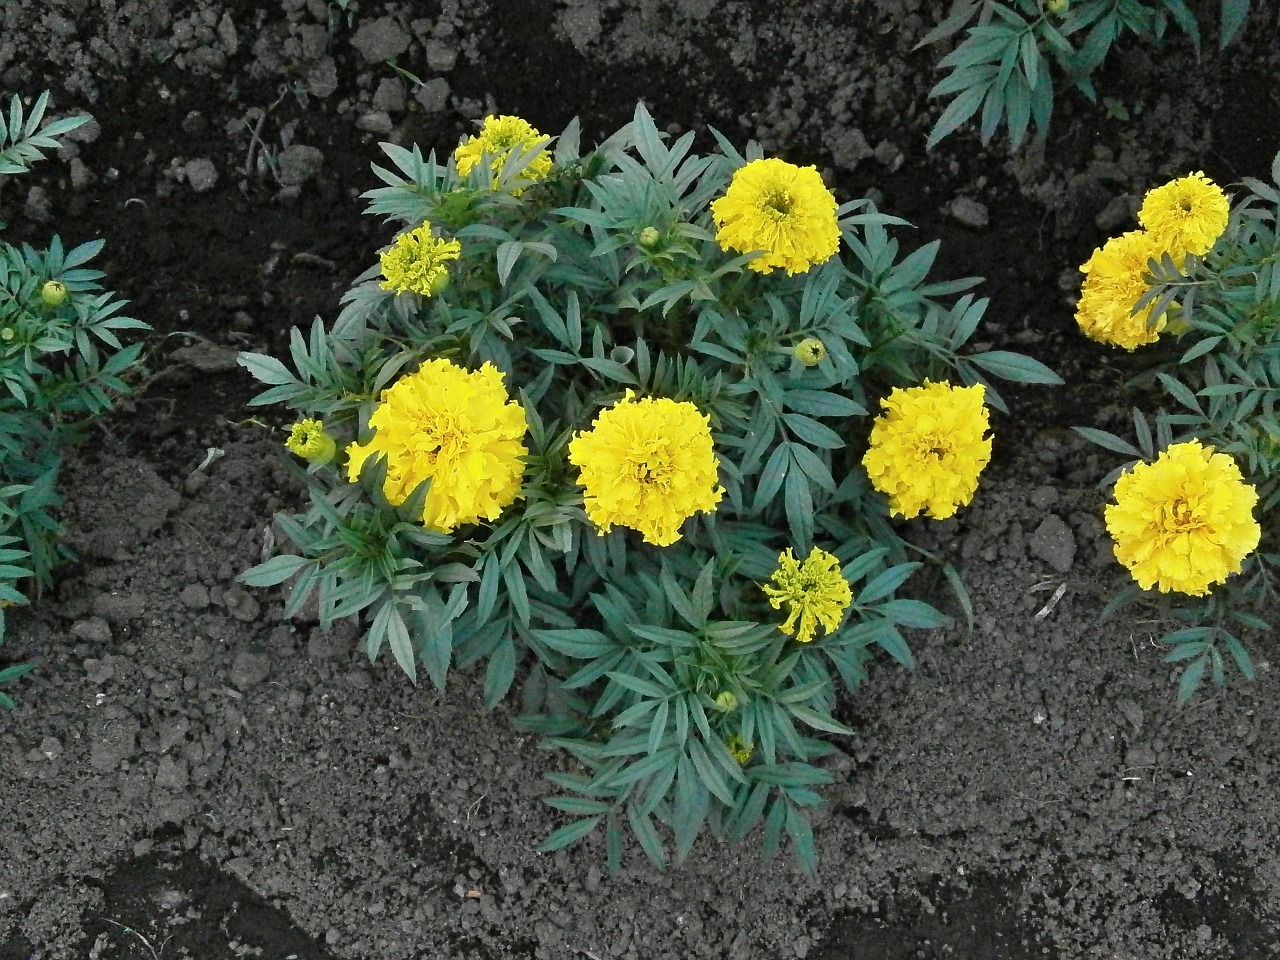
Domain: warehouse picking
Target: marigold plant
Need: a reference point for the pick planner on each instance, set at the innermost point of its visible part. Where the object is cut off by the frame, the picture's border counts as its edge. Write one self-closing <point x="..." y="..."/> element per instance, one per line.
<point x="1195" y="516"/>
<point x="591" y="460"/>
<point x="62" y="364"/>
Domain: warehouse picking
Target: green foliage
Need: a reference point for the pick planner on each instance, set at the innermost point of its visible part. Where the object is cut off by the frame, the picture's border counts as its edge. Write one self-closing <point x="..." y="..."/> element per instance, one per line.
<point x="1006" y="64"/>
<point x="1224" y="384"/>
<point x="649" y="666"/>
<point x="61" y="364"/>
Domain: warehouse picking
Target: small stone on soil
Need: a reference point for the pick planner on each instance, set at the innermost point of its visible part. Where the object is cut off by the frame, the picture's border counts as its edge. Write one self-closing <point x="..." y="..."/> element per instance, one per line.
<point x="433" y="95"/>
<point x="201" y="174"/>
<point x="1053" y="543"/>
<point x="249" y="670"/>
<point x="194" y="596"/>
<point x="969" y="213"/>
<point x="94" y="630"/>
<point x="380" y="40"/>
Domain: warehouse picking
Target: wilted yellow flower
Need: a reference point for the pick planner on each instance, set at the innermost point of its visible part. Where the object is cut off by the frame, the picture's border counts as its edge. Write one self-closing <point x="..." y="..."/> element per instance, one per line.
<point x="458" y="428"/>
<point x="53" y="293"/>
<point x="308" y="440"/>
<point x="416" y="262"/>
<point x="1186" y="215"/>
<point x="815" y="592"/>
<point x="498" y="138"/>
<point x="810" y="351"/>
<point x="649" y="465"/>
<point x="739" y="749"/>
<point x="928" y="448"/>
<point x="1115" y="279"/>
<point x="781" y="209"/>
<point x="1184" y="522"/>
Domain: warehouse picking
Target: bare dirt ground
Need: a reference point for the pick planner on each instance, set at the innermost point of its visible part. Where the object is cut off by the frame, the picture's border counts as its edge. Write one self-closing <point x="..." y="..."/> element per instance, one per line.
<point x="188" y="774"/>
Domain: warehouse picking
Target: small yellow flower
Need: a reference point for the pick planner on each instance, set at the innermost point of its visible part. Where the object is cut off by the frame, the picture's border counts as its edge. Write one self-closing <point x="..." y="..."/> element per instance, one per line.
<point x="815" y="592"/>
<point x="308" y="440"/>
<point x="739" y="749"/>
<point x="783" y="210"/>
<point x="499" y="137"/>
<point x="928" y="448"/>
<point x="648" y="465"/>
<point x="1186" y="215"/>
<point x="53" y="293"/>
<point x="1115" y="279"/>
<point x="416" y="262"/>
<point x="1184" y="522"/>
<point x="457" y="428"/>
<point x="810" y="351"/>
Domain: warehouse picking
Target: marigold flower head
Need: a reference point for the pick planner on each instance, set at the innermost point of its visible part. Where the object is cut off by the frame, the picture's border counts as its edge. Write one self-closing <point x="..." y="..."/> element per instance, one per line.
<point x="499" y="137"/>
<point x="53" y="293"/>
<point x="1186" y="215"/>
<point x="1115" y="279"/>
<point x="648" y="465"/>
<point x="416" y="262"/>
<point x="815" y="592"/>
<point x="928" y="448"/>
<point x="1184" y="522"/>
<point x="810" y="351"/>
<point x="783" y="210"/>
<point x="459" y="429"/>
<point x="739" y="749"/>
<point x="308" y="440"/>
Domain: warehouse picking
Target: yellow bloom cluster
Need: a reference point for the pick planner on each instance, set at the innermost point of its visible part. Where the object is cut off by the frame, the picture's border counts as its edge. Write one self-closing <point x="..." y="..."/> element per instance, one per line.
<point x="1184" y="522"/>
<point x="928" y="448"/>
<point x="498" y="137"/>
<point x="815" y="592"/>
<point x="739" y="749"/>
<point x="1184" y="216"/>
<point x="457" y="428"/>
<point x="783" y="210"/>
<point x="1115" y="279"/>
<point x="308" y="440"/>
<point x="648" y="465"/>
<point x="416" y="262"/>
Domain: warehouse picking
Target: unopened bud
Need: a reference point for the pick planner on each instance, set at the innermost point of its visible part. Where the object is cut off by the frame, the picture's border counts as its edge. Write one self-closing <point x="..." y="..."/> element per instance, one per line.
<point x="726" y="701"/>
<point x="53" y="293"/>
<point x="1057" y="7"/>
<point x="649" y="237"/>
<point x="308" y="440"/>
<point x="7" y="334"/>
<point x="810" y="351"/>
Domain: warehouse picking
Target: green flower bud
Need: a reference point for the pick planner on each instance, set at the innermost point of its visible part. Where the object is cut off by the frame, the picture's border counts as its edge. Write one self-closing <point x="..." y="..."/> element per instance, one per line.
<point x="7" y="334"/>
<point x="810" y="351"/>
<point x="53" y="294"/>
<point x="1057" y="7"/>
<point x="726" y="701"/>
<point x="649" y="237"/>
<point x="308" y="440"/>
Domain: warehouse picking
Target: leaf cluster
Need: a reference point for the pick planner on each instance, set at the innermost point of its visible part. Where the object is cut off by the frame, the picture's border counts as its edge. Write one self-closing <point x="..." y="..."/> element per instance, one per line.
<point x="605" y="277"/>
<point x="1005" y="67"/>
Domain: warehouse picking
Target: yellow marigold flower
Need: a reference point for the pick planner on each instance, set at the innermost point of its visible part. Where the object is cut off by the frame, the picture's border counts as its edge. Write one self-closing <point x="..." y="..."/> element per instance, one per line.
<point x="416" y="262"/>
<point x="308" y="440"/>
<point x="1115" y="279"/>
<point x="739" y="749"/>
<point x="53" y="293"/>
<point x="648" y="465"/>
<point x="781" y="209"/>
<point x="815" y="592"/>
<point x="1186" y="215"/>
<point x="456" y="427"/>
<point x="928" y="448"/>
<point x="498" y="138"/>
<point x="1184" y="522"/>
<point x="810" y="351"/>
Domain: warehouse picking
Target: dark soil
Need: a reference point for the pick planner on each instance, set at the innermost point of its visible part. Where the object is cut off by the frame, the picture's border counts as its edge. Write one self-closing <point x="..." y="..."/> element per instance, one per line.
<point x="190" y="775"/>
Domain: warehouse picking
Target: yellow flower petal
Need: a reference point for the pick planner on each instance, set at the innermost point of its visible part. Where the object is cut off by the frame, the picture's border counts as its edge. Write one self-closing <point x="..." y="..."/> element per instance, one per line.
<point x="1186" y="215"/>
<point x="1115" y="279"/>
<point x="781" y="209"/>
<point x="498" y="137"/>
<point x="815" y="592"/>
